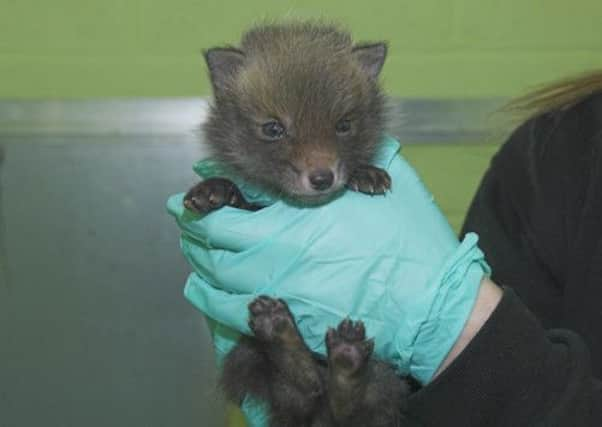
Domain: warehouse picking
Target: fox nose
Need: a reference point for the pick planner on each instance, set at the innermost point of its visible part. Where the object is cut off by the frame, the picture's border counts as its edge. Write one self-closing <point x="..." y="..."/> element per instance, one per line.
<point x="321" y="179"/>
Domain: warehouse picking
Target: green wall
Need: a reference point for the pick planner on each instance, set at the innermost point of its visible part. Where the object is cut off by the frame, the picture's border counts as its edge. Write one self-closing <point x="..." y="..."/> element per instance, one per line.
<point x="459" y="48"/>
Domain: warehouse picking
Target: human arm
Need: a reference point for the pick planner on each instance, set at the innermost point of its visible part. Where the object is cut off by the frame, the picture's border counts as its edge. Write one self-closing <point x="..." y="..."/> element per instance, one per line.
<point x="512" y="373"/>
<point x="488" y="298"/>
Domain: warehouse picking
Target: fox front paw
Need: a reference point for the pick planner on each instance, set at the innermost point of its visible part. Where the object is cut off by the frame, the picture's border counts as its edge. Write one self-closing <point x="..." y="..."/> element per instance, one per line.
<point x="213" y="194"/>
<point x="370" y="180"/>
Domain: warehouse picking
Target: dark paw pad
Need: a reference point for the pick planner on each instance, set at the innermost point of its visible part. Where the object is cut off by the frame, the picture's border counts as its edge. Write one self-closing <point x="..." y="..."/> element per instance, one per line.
<point x="212" y="194"/>
<point x="370" y="180"/>
<point x="271" y="320"/>
<point x="348" y="348"/>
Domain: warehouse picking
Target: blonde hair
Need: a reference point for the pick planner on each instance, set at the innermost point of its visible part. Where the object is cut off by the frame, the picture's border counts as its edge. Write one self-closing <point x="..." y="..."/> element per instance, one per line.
<point x="560" y="95"/>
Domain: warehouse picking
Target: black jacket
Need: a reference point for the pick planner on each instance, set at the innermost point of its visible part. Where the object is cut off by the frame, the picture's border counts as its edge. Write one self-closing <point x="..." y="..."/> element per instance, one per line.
<point x="538" y="212"/>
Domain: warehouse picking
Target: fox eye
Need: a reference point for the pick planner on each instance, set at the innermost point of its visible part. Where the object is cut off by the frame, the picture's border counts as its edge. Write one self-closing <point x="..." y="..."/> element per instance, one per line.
<point x="343" y="127"/>
<point x="273" y="130"/>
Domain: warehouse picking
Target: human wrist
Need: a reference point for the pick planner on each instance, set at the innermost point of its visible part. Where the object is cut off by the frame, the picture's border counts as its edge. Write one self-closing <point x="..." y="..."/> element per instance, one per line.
<point x="488" y="297"/>
<point x="446" y="305"/>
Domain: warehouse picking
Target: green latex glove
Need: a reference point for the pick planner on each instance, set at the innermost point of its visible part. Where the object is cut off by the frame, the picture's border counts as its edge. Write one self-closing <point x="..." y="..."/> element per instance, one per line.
<point x="391" y="261"/>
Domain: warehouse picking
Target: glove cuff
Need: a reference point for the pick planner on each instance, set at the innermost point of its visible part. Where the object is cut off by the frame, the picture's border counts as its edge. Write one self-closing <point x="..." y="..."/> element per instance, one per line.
<point x="458" y="285"/>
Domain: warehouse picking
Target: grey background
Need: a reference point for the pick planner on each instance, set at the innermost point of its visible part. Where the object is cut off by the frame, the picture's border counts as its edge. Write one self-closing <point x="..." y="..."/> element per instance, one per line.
<point x="94" y="330"/>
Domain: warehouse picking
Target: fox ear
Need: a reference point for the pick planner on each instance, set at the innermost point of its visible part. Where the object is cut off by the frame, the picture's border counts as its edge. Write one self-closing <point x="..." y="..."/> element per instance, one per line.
<point x="371" y="57"/>
<point x="223" y="64"/>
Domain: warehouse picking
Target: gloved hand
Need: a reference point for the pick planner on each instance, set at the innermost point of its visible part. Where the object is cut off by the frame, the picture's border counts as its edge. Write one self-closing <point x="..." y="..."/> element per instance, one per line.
<point x="391" y="261"/>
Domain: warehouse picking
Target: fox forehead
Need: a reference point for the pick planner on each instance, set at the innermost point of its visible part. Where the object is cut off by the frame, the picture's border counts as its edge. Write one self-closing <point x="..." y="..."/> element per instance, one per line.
<point x="299" y="87"/>
<point x="300" y="70"/>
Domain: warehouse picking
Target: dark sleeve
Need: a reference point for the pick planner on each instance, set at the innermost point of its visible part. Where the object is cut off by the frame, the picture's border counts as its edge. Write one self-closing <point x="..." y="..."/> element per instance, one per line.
<point x="538" y="212"/>
<point x="529" y="208"/>
<point x="503" y="222"/>
<point x="514" y="373"/>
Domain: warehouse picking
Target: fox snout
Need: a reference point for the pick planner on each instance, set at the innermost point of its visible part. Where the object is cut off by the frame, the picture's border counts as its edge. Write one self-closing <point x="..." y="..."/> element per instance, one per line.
<point x="319" y="171"/>
<point x="321" y="179"/>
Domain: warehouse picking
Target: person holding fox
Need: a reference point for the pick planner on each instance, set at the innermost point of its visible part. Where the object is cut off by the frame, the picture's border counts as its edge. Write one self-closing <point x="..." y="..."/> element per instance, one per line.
<point x="387" y="263"/>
